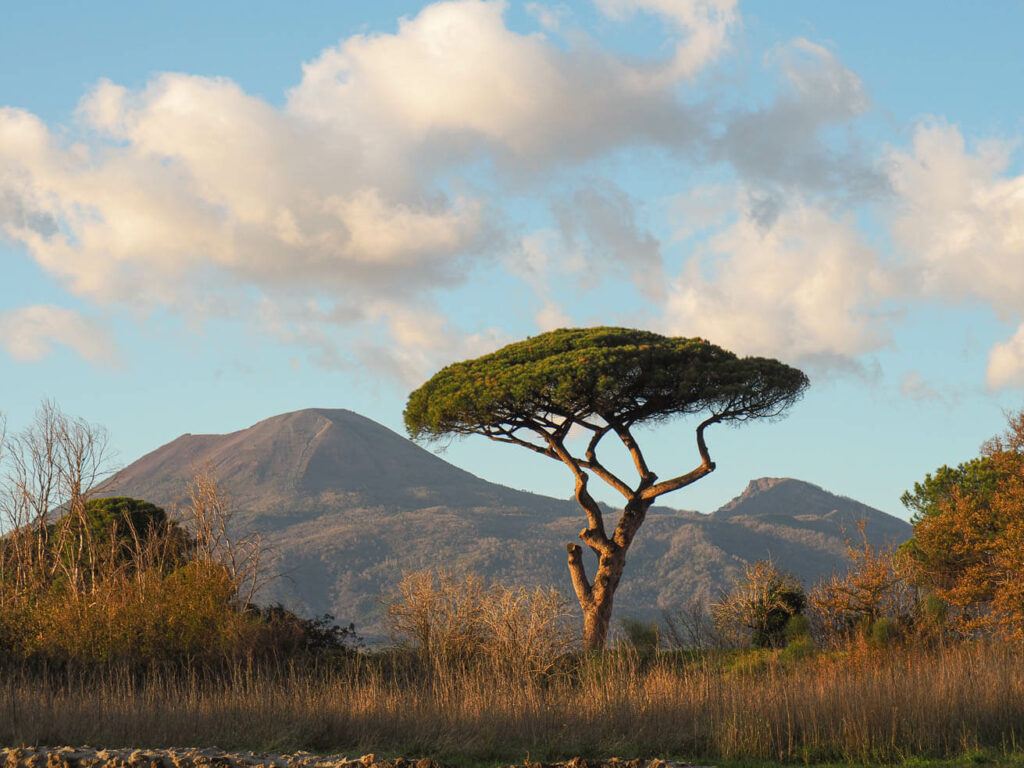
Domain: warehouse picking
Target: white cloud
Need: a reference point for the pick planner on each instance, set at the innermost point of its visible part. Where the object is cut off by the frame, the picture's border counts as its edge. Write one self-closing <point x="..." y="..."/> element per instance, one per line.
<point x="914" y="386"/>
<point x="703" y="24"/>
<point x="424" y="341"/>
<point x="30" y="333"/>
<point x="802" y="287"/>
<point x="549" y="16"/>
<point x="960" y="221"/>
<point x="550" y="317"/>
<point x="784" y="144"/>
<point x="600" y="220"/>
<point x="201" y="179"/>
<point x="455" y="79"/>
<point x="1006" y="362"/>
<point x="193" y="195"/>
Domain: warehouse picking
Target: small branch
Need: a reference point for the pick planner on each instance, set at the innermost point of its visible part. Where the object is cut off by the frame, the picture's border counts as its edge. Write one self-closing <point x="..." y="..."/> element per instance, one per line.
<point x="507" y="436"/>
<point x="702" y="447"/>
<point x="597" y="538"/>
<point x="599" y="469"/>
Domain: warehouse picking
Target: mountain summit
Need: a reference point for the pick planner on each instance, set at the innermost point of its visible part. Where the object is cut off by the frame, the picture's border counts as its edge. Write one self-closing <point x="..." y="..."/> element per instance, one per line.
<point x="345" y="505"/>
<point x="309" y="461"/>
<point x="783" y="498"/>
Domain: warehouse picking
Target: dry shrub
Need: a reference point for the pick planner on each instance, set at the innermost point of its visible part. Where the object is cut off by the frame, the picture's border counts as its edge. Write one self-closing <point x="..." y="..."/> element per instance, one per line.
<point x="462" y="621"/>
<point x="870" y="600"/>
<point x="99" y="580"/>
<point x="754" y="612"/>
<point x="691" y="628"/>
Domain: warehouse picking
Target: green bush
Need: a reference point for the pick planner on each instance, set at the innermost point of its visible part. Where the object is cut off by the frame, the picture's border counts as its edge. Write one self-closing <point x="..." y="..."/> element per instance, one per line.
<point x="883" y="632"/>
<point x="644" y="637"/>
<point x="798" y="628"/>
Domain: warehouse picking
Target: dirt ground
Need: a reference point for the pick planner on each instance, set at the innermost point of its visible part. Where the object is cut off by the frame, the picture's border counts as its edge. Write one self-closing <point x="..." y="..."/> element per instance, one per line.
<point x="86" y="757"/>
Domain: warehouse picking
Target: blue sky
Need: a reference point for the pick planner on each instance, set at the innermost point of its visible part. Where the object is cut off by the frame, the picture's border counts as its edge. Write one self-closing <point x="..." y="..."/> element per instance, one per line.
<point x="211" y="213"/>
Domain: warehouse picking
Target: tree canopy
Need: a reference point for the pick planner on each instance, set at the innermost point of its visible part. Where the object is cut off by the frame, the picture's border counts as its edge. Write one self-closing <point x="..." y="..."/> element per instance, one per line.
<point x="619" y="375"/>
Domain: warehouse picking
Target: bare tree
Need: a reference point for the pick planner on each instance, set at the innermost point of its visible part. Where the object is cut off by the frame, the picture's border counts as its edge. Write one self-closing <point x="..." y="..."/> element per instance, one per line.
<point x="208" y="515"/>
<point x="50" y="469"/>
<point x="692" y="628"/>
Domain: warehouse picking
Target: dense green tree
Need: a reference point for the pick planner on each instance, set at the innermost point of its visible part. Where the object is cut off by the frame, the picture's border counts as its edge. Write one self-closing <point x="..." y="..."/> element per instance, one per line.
<point x="109" y="534"/>
<point x="977" y="477"/>
<point x="930" y="503"/>
<point x="601" y="381"/>
<point x="968" y="547"/>
<point x="118" y="527"/>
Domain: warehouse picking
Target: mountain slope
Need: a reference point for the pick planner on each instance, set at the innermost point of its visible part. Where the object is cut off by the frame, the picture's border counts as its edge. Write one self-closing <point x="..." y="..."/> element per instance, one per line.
<point x="346" y="505"/>
<point x="306" y="461"/>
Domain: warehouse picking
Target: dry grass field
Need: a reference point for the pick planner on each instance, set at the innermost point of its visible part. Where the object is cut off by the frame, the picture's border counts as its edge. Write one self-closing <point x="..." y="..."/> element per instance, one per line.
<point x="865" y="706"/>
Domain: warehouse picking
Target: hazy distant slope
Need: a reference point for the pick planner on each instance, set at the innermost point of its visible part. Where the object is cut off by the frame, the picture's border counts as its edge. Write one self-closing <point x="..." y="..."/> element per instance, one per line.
<point x="346" y="505"/>
<point x="810" y="507"/>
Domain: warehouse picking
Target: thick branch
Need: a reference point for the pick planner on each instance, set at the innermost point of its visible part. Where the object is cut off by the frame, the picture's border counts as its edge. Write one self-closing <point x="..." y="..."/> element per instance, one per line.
<point x="599" y="469"/>
<point x="594" y="535"/>
<point x="584" y="592"/>
<point x="706" y="467"/>
<point x="647" y="478"/>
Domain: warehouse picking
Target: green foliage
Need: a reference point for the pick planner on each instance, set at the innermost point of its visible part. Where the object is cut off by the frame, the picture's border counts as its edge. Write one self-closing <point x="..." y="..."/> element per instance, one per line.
<point x="618" y="374"/>
<point x="115" y="528"/>
<point x="883" y="632"/>
<point x="798" y="628"/>
<point x="294" y="636"/>
<point x="770" y="630"/>
<point x="644" y="637"/>
<point x="122" y="517"/>
<point x="978" y="478"/>
<point x="797" y="650"/>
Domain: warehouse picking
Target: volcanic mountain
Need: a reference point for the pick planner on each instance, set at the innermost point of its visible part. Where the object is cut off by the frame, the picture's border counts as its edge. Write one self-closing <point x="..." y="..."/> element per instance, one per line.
<point x="345" y="505"/>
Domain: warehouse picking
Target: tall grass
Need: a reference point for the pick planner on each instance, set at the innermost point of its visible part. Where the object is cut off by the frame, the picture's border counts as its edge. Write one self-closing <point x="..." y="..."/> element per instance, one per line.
<point x="866" y="706"/>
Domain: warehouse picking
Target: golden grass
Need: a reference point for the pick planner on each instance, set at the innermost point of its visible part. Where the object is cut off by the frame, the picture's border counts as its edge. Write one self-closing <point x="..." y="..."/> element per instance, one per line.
<point x="860" y="707"/>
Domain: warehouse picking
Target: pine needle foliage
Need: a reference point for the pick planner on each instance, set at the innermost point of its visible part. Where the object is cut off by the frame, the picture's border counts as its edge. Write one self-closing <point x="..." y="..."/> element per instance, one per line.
<point x="618" y="374"/>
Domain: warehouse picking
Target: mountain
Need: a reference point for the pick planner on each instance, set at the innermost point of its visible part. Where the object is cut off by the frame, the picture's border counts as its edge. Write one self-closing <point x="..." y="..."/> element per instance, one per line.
<point x="345" y="505"/>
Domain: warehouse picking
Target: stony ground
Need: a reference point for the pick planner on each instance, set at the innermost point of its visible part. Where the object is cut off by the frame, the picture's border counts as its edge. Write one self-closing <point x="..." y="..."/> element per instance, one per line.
<point x="86" y="757"/>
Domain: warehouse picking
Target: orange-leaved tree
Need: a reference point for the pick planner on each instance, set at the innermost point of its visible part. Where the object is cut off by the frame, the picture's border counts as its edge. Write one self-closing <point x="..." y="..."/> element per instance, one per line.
<point x="970" y="548"/>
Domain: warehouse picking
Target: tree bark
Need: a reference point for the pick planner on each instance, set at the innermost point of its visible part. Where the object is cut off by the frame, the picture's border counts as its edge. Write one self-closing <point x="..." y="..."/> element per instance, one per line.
<point x="596" y="599"/>
<point x="597" y="615"/>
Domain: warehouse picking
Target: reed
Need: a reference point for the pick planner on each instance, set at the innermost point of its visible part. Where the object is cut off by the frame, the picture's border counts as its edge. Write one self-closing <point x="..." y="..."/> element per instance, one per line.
<point x="861" y="706"/>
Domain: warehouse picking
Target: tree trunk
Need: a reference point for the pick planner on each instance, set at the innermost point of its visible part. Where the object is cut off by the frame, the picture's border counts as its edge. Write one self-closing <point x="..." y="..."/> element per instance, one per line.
<point x="597" y="605"/>
<point x="596" y="620"/>
<point x="596" y="597"/>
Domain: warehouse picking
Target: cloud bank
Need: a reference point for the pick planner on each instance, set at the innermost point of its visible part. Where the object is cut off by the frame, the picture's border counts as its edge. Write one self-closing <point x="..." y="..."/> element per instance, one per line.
<point x="398" y="167"/>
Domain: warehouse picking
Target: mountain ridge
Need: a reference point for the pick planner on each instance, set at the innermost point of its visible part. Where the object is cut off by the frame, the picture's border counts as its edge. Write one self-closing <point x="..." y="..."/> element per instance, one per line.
<point x="346" y="505"/>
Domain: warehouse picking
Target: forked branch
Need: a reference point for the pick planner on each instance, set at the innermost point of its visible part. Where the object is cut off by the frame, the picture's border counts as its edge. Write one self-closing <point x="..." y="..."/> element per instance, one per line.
<point x="707" y="466"/>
